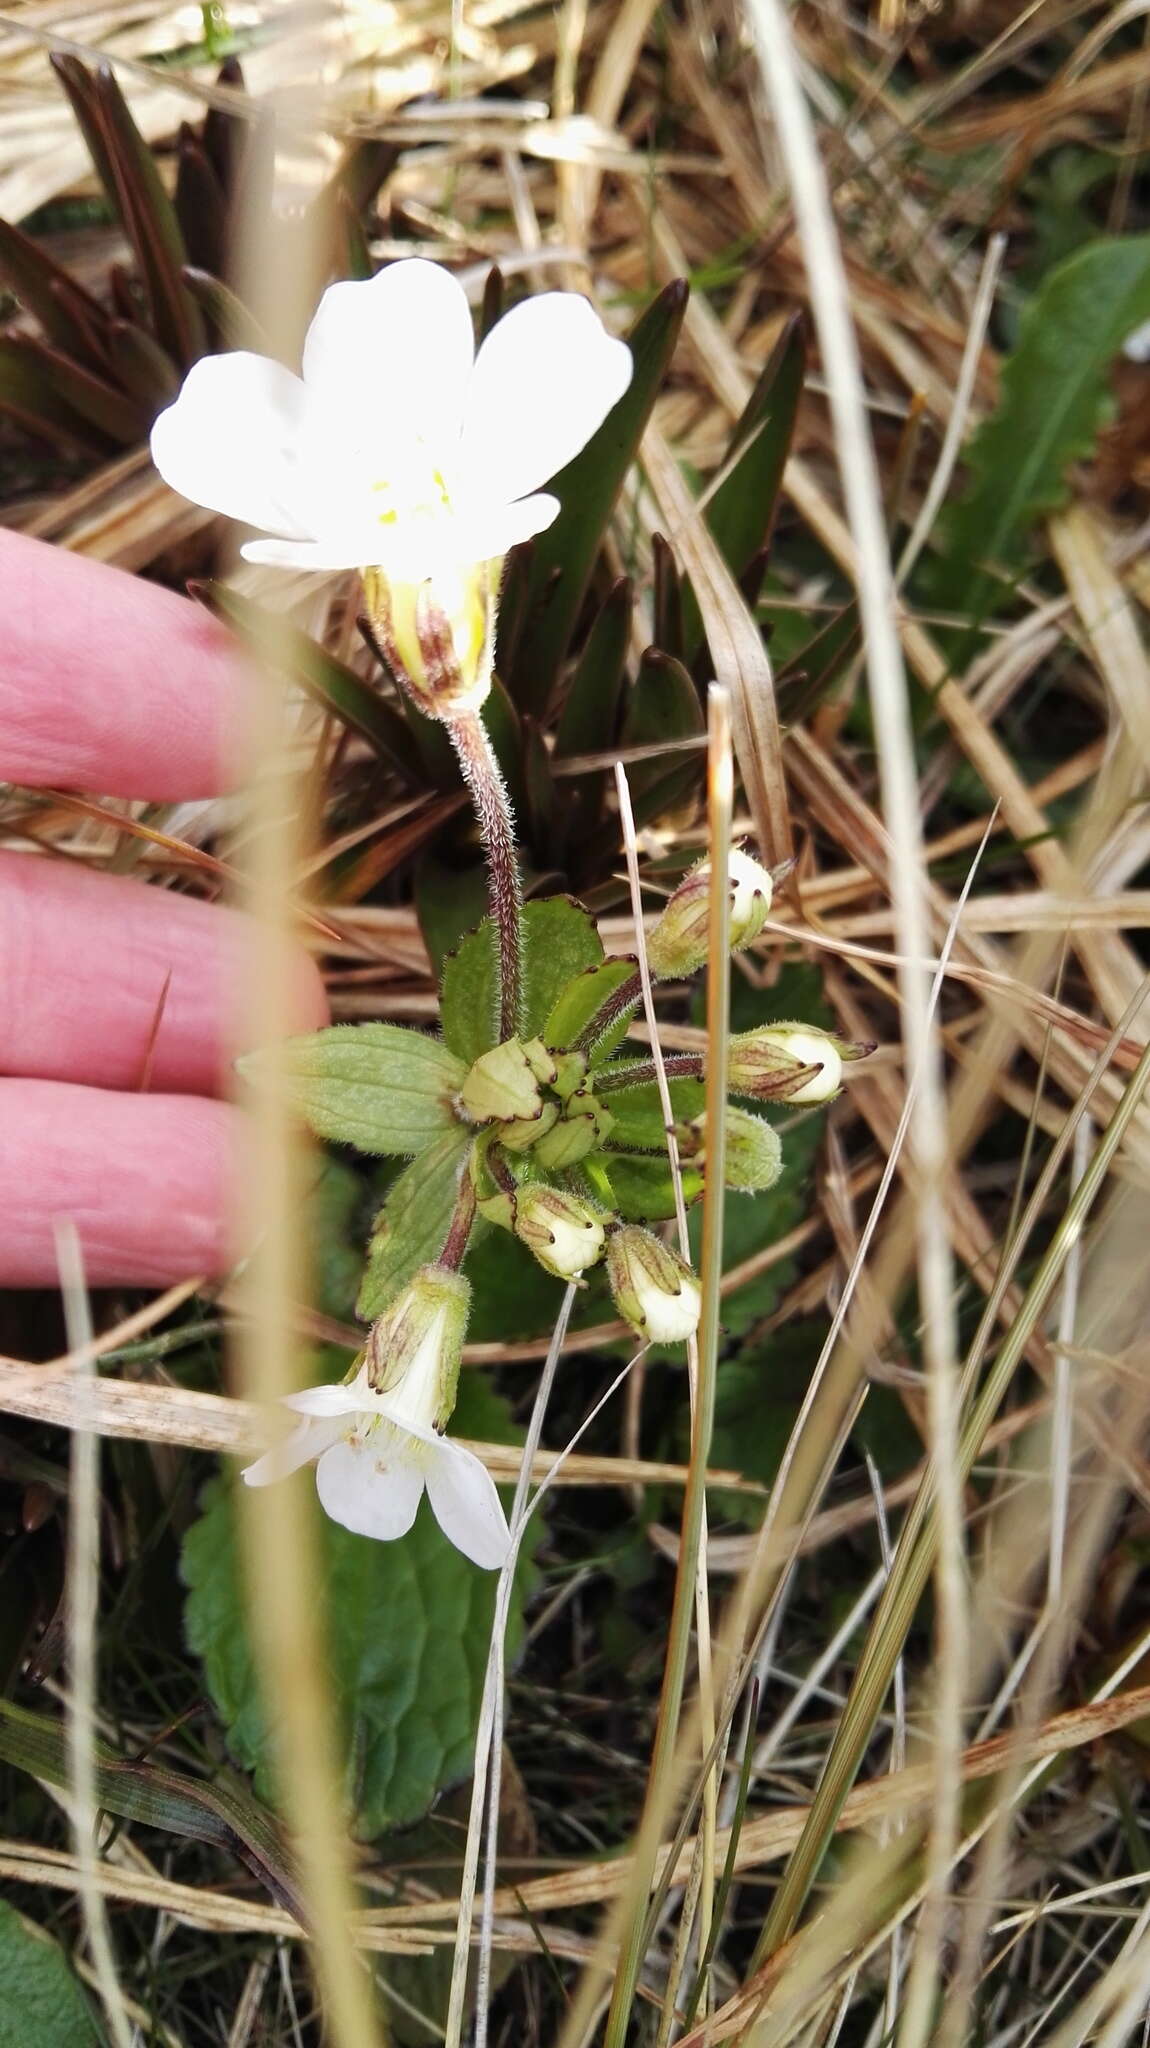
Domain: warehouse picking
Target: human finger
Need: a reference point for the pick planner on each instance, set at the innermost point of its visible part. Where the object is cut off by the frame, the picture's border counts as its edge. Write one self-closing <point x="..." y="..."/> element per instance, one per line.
<point x="107" y="982"/>
<point x="146" y="1179"/>
<point x="109" y="683"/>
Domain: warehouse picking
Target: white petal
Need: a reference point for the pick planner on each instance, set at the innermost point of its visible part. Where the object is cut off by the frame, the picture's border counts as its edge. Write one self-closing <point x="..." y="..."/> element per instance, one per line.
<point x="369" y="1488"/>
<point x="307" y="554"/>
<point x="544" y="379"/>
<point x="233" y="441"/>
<point x="391" y="356"/>
<point x="466" y="1505"/>
<point x="491" y="532"/>
<point x="327" y="1400"/>
<point x="304" y="1443"/>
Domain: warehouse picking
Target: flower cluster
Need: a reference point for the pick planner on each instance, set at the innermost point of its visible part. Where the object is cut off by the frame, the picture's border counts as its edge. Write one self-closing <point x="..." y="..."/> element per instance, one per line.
<point x="402" y="453"/>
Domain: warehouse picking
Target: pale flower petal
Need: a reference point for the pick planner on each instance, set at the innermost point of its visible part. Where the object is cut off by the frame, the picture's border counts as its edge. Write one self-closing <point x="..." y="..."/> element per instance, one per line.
<point x="306" y="1442"/>
<point x="392" y="355"/>
<point x="466" y="1505"/>
<point x="490" y="533"/>
<point x="234" y="441"/>
<point x="544" y="379"/>
<point x="329" y="554"/>
<point x="370" y="1486"/>
<point x="335" y="1398"/>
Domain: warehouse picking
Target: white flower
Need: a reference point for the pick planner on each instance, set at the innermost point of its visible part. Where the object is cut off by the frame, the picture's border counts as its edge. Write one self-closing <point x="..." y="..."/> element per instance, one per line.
<point x="678" y="944"/>
<point x="652" y="1287"/>
<point x="378" y="1451"/>
<point x="763" y="1063"/>
<point x="565" y="1233"/>
<point x="811" y="1049"/>
<point x="399" y="449"/>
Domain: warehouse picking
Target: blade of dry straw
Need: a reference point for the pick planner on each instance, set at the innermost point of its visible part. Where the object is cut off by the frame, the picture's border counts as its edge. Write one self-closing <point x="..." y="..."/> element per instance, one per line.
<point x="927" y="1129"/>
<point x="83" y="1597"/>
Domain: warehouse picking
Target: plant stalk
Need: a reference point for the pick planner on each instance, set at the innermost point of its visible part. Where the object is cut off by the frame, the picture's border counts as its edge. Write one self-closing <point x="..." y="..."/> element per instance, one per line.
<point x="488" y="791"/>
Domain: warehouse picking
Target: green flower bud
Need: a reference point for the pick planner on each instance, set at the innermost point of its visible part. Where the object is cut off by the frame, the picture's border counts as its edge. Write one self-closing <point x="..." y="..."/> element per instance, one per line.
<point x="653" y="1289"/>
<point x="521" y="1134"/>
<point x="785" y="1062"/>
<point x="564" y="1232"/>
<point x="414" y="1349"/>
<point x="502" y="1084"/>
<point x="678" y="944"/>
<point x="436" y="638"/>
<point x="753" y="1158"/>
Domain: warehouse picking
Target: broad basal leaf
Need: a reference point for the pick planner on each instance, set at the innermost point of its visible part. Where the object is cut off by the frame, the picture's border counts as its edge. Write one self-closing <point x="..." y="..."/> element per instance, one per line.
<point x="41" y="2003"/>
<point x="375" y="1086"/>
<point x="559" y="941"/>
<point x="408" y="1631"/>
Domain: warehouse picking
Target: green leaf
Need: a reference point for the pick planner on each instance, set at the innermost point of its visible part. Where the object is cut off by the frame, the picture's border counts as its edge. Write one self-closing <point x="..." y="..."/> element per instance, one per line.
<point x="584" y="998"/>
<point x="408" y="1631"/>
<point x="643" y="1189"/>
<point x="743" y="507"/>
<point x="41" y="2003"/>
<point x="559" y="941"/>
<point x="638" y="1114"/>
<point x="663" y="708"/>
<point x="449" y="903"/>
<point x="333" y="685"/>
<point x="590" y="713"/>
<point x="376" y="1086"/>
<point x="71" y="319"/>
<point x="563" y="557"/>
<point x="29" y="394"/>
<point x="412" y="1226"/>
<point x="158" y="1797"/>
<point x="1054" y="398"/>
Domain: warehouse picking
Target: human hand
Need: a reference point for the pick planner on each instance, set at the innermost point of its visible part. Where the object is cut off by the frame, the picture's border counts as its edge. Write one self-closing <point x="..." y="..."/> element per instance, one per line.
<point x="110" y="685"/>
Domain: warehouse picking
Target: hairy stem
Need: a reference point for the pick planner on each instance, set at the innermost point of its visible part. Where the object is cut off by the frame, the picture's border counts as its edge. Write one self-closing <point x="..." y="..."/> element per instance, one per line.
<point x="459" y="1234"/>
<point x="624" y="999"/>
<point x="505" y="893"/>
<point x="677" y="1066"/>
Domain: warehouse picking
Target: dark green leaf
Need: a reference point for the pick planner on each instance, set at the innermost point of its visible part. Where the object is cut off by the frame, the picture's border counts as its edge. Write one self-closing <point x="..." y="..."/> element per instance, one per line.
<point x="148" y="375"/>
<point x="408" y="1629"/>
<point x="338" y="688"/>
<point x="411" y="1228"/>
<point x="590" y="714"/>
<point x="29" y="394"/>
<point x="559" y="941"/>
<point x="160" y="1798"/>
<point x="742" y="508"/>
<point x="235" y="327"/>
<point x="668" y="598"/>
<point x="91" y="398"/>
<point x="663" y="707"/>
<point x="41" y="2003"/>
<point x="638" y="1113"/>
<point x="72" y="320"/>
<point x="587" y="490"/>
<point x="449" y="902"/>
<point x="1054" y="398"/>
<point x="376" y="1086"/>
<point x="150" y="223"/>
<point x="643" y="1189"/>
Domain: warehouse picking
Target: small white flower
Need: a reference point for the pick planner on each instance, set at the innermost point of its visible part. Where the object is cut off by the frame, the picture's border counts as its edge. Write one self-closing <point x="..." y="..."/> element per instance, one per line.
<point x="565" y="1233"/>
<point x="678" y="944"/>
<point x="399" y="448"/>
<point x="378" y="1451"/>
<point x="811" y="1049"/>
<point x="653" y="1289"/>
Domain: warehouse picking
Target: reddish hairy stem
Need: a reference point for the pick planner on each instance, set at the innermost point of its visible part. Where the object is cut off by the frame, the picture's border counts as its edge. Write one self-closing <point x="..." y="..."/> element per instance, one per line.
<point x="493" y="809"/>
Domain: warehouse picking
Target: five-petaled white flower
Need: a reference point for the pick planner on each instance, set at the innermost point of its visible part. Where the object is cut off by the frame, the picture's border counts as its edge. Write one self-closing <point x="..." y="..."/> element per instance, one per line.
<point x="378" y="1450"/>
<point x="399" y="450"/>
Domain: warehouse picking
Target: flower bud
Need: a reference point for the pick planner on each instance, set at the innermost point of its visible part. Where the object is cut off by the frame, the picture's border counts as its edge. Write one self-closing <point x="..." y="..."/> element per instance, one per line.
<point x="413" y="1350"/>
<point x="436" y="637"/>
<point x="753" y="1155"/>
<point x="564" y="1232"/>
<point x="653" y="1290"/>
<point x="787" y="1062"/>
<point x="678" y="944"/>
